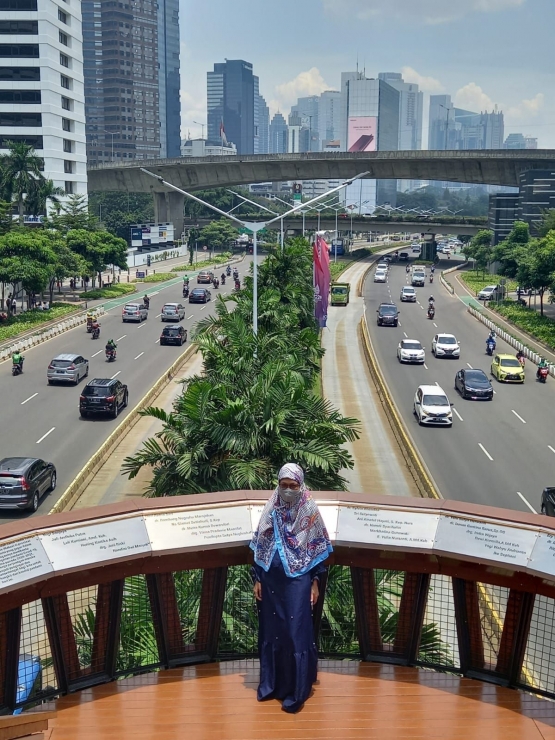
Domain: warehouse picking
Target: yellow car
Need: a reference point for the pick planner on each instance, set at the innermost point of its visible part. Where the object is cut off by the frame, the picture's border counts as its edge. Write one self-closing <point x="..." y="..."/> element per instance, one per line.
<point x="507" y="369"/>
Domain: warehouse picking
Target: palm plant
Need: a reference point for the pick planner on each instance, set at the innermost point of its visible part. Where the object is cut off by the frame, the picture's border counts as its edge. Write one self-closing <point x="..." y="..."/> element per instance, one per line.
<point x="37" y="199"/>
<point x="21" y="176"/>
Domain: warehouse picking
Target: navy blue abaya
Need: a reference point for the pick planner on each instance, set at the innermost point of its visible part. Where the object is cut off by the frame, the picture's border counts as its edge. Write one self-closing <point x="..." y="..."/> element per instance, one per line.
<point x="286" y="647"/>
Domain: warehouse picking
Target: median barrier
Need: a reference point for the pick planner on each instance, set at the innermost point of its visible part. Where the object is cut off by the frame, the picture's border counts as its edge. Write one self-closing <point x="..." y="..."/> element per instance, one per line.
<point x="78" y="485"/>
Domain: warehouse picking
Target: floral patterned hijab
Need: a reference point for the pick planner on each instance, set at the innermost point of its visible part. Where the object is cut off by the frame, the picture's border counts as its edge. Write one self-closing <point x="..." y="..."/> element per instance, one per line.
<point x="296" y="530"/>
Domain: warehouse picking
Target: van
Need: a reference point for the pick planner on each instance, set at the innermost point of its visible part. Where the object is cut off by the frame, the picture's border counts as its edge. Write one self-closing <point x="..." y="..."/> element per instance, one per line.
<point x="134" y="312"/>
<point x="340" y="294"/>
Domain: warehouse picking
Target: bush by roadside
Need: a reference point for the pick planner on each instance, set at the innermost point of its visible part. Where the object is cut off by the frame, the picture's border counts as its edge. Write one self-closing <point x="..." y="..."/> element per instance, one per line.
<point x="23" y="322"/>
<point x="158" y="277"/>
<point x="476" y="281"/>
<point x="203" y="264"/>
<point x="541" y="328"/>
<point x="114" y="291"/>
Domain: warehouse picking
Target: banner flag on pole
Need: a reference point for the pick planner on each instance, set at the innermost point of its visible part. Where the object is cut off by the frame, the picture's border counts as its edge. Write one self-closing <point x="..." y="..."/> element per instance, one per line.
<point x="322" y="280"/>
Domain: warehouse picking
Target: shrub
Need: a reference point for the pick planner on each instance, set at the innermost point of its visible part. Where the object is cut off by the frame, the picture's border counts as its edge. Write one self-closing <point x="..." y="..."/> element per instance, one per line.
<point x="158" y="277"/>
<point x="529" y="320"/>
<point x="478" y="280"/>
<point x="114" y="291"/>
<point x="28" y="320"/>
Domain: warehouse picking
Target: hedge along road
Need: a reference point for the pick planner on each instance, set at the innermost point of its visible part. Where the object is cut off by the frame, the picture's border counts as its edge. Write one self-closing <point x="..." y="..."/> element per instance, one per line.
<point x="39" y="420"/>
<point x="500" y="453"/>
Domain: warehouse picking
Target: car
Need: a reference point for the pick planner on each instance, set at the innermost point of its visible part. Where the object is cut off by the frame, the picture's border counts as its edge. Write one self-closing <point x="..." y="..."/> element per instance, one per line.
<point x="388" y="258"/>
<point x="103" y="396"/>
<point x="507" y="369"/>
<point x="173" y="312"/>
<point x="388" y="314"/>
<point x="382" y="266"/>
<point x="67" y="368"/>
<point x="474" y="384"/>
<point x="488" y="293"/>
<point x="445" y="345"/>
<point x="403" y="256"/>
<point x="24" y="481"/>
<point x="416" y="249"/>
<point x="431" y="406"/>
<point x="410" y="350"/>
<point x="173" y="335"/>
<point x="380" y="276"/>
<point x="446" y="249"/>
<point x="548" y="501"/>
<point x="199" y="295"/>
<point x="408" y="293"/>
<point x="134" y="312"/>
<point x="205" y="276"/>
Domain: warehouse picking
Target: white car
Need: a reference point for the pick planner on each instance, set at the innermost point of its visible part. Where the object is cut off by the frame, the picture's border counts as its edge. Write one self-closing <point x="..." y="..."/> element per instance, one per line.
<point x="431" y="406"/>
<point x="410" y="350"/>
<point x="487" y="293"/>
<point x="382" y="266"/>
<point x="416" y="249"/>
<point x="380" y="276"/>
<point x="408" y="293"/>
<point x="445" y="345"/>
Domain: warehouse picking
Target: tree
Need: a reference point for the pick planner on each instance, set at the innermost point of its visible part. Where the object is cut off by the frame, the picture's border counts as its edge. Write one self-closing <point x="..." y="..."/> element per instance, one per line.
<point x="536" y="268"/>
<point x="21" y="175"/>
<point x="98" y="249"/>
<point x="194" y="235"/>
<point x="509" y="251"/>
<point x="67" y="263"/>
<point x="117" y="211"/>
<point x="547" y="223"/>
<point x="37" y="200"/>
<point x="479" y="249"/>
<point x="27" y="260"/>
<point x="219" y="234"/>
<point x="73" y="214"/>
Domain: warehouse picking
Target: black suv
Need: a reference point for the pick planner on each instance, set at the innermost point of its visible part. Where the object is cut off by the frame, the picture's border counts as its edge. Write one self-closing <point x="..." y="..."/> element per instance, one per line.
<point x="23" y="482"/>
<point x="173" y="335"/>
<point x="388" y="314"/>
<point x="103" y="396"/>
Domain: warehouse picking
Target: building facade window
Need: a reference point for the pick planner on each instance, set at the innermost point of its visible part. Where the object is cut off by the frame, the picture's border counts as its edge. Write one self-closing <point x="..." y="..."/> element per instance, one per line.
<point x="69" y="185"/>
<point x="63" y="38"/>
<point x="66" y="124"/>
<point x="20" y="96"/>
<point x="69" y="167"/>
<point x="34" y="141"/>
<point x="64" y="60"/>
<point x="65" y="82"/>
<point x="68" y="146"/>
<point x="20" y="119"/>
<point x="62" y="16"/>
<point x="22" y="28"/>
<point x="18" y="4"/>
<point x="67" y="104"/>
<point x="19" y="74"/>
<point x="19" y="50"/>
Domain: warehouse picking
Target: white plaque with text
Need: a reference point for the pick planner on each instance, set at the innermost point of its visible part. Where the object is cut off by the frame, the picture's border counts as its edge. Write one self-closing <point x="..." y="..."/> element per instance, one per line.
<point x="75" y="547"/>
<point x="330" y="514"/>
<point x="485" y="540"/>
<point x="542" y="559"/>
<point x="387" y="527"/>
<point x="199" y="527"/>
<point x="22" y="560"/>
<point x="256" y="513"/>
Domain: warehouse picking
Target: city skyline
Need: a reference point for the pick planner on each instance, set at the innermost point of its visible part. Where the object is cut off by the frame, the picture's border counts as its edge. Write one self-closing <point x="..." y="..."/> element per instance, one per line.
<point x="471" y="57"/>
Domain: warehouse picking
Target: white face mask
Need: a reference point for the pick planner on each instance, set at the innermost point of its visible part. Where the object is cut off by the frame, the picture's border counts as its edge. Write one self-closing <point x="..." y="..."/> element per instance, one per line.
<point x="289" y="496"/>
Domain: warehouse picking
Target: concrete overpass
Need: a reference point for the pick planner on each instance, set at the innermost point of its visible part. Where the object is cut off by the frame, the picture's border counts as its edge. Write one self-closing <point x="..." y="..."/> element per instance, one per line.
<point x="491" y="167"/>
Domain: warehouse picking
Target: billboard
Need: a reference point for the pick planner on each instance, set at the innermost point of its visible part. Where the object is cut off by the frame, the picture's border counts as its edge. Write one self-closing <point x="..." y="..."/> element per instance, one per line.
<point x="362" y="135"/>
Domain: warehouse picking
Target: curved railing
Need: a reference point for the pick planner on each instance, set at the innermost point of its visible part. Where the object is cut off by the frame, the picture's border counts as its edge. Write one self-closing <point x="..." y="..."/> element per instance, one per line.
<point x="90" y="596"/>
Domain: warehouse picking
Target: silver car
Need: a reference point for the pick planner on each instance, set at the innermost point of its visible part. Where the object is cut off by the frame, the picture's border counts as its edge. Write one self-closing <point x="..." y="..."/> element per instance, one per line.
<point x="67" y="369"/>
<point x="173" y="312"/>
<point x="134" y="312"/>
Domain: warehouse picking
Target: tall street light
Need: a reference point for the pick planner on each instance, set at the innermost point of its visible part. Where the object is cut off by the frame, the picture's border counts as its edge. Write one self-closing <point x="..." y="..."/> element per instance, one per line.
<point x="202" y="125"/>
<point x="262" y="208"/>
<point x="112" y="135"/>
<point x="254" y="226"/>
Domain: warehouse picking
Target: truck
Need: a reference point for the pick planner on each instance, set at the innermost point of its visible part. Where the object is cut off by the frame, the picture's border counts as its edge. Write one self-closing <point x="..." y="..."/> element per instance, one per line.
<point x="418" y="276"/>
<point x="340" y="294"/>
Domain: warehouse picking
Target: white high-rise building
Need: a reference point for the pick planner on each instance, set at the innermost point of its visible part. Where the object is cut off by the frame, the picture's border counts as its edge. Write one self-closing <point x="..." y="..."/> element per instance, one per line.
<point x="41" y="86"/>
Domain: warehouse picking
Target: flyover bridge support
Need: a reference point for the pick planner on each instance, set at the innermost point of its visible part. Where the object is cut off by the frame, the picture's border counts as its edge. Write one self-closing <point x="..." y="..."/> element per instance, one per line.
<point x="170" y="207"/>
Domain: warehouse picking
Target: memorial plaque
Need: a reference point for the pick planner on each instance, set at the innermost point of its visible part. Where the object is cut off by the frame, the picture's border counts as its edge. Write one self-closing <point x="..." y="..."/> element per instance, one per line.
<point x="199" y="528"/>
<point x="75" y="547"/>
<point x="485" y="540"/>
<point x="256" y="513"/>
<point x="22" y="560"/>
<point x="330" y="514"/>
<point x="386" y="527"/>
<point x="542" y="559"/>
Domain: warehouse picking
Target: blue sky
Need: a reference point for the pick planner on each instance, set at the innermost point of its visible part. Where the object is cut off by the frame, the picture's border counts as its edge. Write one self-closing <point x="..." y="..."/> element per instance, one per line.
<point x="481" y="52"/>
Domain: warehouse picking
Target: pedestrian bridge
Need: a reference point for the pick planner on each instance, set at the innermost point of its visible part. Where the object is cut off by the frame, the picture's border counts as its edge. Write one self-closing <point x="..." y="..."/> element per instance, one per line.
<point x="139" y="617"/>
<point x="491" y="167"/>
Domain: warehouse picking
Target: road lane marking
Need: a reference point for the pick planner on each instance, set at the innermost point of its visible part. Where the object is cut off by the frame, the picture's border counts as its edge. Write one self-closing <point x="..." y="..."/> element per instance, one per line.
<point x="190" y="317"/>
<point x="136" y="358"/>
<point x="157" y="315"/>
<point x="551" y="448"/>
<point x="406" y="335"/>
<point x="469" y="365"/>
<point x="427" y="368"/>
<point x="30" y="398"/>
<point x="459" y="416"/>
<point x="437" y="384"/>
<point x="115" y="375"/>
<point x="120" y="338"/>
<point x="422" y="307"/>
<point x="528" y="504"/>
<point x="434" y="323"/>
<point x="97" y="353"/>
<point x="140" y="326"/>
<point x="156" y="342"/>
<point x="486" y="453"/>
<point x="44" y="436"/>
<point x="518" y="416"/>
<point x="202" y="309"/>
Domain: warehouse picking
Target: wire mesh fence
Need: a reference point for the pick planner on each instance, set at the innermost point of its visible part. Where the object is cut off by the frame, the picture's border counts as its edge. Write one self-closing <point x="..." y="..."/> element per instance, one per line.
<point x="538" y="670"/>
<point x="439" y="643"/>
<point x="138" y="649"/>
<point x="36" y="677"/>
<point x="239" y="628"/>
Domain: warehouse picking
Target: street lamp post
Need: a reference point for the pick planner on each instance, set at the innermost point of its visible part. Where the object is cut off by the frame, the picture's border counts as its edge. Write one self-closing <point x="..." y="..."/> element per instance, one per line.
<point x="202" y="125"/>
<point x="112" y="135"/>
<point x="254" y="226"/>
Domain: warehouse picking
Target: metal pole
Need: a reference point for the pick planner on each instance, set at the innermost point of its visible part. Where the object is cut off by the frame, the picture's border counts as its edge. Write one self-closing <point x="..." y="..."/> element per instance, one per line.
<point x="255" y="283"/>
<point x="281" y="221"/>
<point x="303" y="221"/>
<point x="318" y="220"/>
<point x="336" y="236"/>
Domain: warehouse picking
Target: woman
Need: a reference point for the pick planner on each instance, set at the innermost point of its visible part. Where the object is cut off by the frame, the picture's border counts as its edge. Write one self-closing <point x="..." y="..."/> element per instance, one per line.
<point x="289" y="546"/>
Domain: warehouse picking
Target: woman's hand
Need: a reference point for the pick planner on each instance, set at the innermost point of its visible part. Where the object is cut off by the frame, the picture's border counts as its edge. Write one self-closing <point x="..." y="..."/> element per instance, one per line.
<point x="257" y="591"/>
<point x="314" y="593"/>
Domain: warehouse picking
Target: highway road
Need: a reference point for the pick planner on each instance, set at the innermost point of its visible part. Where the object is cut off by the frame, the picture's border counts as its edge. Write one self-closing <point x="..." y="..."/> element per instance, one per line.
<point x="500" y="453"/>
<point x="44" y="421"/>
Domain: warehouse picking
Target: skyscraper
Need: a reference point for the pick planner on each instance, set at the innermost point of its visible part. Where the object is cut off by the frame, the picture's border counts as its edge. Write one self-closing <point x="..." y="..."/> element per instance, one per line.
<point x="411" y="104"/>
<point x="232" y="89"/>
<point x="131" y="67"/>
<point x="278" y="135"/>
<point x="441" y="123"/>
<point x="41" y="86"/>
<point x="263" y="126"/>
<point x="308" y="110"/>
<point x="459" y="129"/>
<point x="328" y="116"/>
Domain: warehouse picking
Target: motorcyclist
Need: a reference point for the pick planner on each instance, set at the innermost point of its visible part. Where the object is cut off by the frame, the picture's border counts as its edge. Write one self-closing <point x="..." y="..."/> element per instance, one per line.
<point x="95" y="328"/>
<point x="542" y="364"/>
<point x="146" y="301"/>
<point x="235" y="273"/>
<point x="432" y="269"/>
<point x="237" y="284"/>
<point x="222" y="278"/>
<point x="186" y="280"/>
<point x="490" y="342"/>
<point x="520" y="356"/>
<point x="431" y="301"/>
<point x="111" y="346"/>
<point x="216" y="282"/>
<point x="407" y="268"/>
<point x="431" y="277"/>
<point x="17" y="360"/>
<point x="228" y="271"/>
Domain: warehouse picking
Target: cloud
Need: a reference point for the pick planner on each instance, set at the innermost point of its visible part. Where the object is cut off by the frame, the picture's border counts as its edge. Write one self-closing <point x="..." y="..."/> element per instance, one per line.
<point x="426" y="84"/>
<point x="428" y="11"/>
<point x="472" y="97"/>
<point x="306" y="83"/>
<point x="193" y="108"/>
<point x="527" y="108"/>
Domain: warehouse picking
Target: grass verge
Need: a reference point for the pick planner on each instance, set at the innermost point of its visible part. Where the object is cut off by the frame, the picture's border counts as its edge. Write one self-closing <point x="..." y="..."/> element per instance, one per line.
<point x="344" y="262"/>
<point x="478" y="280"/>
<point x="29" y="320"/>
<point x="159" y="277"/>
<point x="202" y="264"/>
<point x="539" y="327"/>
<point x="114" y="291"/>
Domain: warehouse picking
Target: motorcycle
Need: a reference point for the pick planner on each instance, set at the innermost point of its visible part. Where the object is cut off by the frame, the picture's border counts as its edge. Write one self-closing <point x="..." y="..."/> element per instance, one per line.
<point x="90" y="322"/>
<point x="223" y="278"/>
<point x="228" y="271"/>
<point x="185" y="291"/>
<point x="490" y="348"/>
<point x="542" y="374"/>
<point x="431" y="312"/>
<point x="237" y="285"/>
<point x="111" y="355"/>
<point x="432" y="278"/>
<point x="521" y="359"/>
<point x="17" y="368"/>
<point x="96" y="332"/>
<point x="146" y="301"/>
<point x="216" y="283"/>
